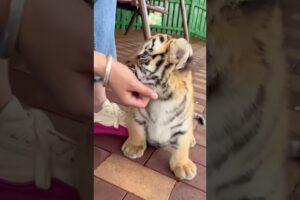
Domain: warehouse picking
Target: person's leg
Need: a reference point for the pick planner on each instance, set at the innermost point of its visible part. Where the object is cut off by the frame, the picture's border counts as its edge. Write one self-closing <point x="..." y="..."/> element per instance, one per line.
<point x="104" y="26"/>
<point x="106" y="113"/>
<point x="104" y="37"/>
<point x="5" y="90"/>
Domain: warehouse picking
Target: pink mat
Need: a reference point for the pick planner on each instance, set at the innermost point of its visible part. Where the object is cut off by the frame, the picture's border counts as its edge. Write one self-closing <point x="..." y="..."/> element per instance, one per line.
<point x="28" y="191"/>
<point x="110" y="130"/>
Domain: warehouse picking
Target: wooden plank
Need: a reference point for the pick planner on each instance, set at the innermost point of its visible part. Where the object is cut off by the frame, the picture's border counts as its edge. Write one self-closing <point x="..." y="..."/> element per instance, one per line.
<point x="204" y="26"/>
<point x="179" y="24"/>
<point x="127" y="18"/>
<point x="200" y="96"/>
<point x="139" y="23"/>
<point x="118" y="19"/>
<point x="202" y="76"/>
<point x="199" y="108"/>
<point x="199" y="17"/>
<point x="200" y="86"/>
<point x="188" y="9"/>
<point x="192" y="27"/>
<point x="197" y="13"/>
<point x="164" y="20"/>
<point x="168" y="28"/>
<point x="170" y="16"/>
<point x="175" y="19"/>
<point x="191" y="16"/>
<point x="199" y="79"/>
<point x="162" y="5"/>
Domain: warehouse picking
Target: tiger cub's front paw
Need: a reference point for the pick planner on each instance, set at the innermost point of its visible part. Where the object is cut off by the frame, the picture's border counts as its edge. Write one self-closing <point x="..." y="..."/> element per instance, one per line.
<point x="133" y="151"/>
<point x="184" y="170"/>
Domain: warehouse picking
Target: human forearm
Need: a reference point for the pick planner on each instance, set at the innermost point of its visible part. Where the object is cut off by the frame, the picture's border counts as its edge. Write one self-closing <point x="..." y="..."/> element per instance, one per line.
<point x="99" y="63"/>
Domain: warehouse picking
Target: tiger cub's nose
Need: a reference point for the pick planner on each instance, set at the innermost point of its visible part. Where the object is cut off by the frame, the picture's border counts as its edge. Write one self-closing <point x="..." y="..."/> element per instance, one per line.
<point x="144" y="55"/>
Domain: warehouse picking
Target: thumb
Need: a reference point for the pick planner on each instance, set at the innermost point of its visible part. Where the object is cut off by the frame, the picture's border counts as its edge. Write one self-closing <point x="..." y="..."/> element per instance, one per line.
<point x="138" y="102"/>
<point x="145" y="91"/>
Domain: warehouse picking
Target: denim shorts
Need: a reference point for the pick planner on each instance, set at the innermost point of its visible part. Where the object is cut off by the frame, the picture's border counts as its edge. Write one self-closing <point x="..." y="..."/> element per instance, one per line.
<point x="104" y="27"/>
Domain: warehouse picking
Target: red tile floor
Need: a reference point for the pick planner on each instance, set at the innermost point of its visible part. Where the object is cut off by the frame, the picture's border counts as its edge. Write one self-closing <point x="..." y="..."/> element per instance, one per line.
<point x="107" y="146"/>
<point x="291" y="21"/>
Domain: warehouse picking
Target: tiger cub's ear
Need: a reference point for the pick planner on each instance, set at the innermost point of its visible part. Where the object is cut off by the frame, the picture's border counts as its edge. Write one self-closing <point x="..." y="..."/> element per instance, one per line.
<point x="180" y="51"/>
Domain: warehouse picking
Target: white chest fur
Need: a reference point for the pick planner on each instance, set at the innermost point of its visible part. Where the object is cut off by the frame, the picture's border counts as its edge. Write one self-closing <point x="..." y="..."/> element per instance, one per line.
<point x="163" y="119"/>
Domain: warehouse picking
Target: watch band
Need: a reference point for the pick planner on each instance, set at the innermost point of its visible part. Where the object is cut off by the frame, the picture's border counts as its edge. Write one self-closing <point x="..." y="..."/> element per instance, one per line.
<point x="9" y="36"/>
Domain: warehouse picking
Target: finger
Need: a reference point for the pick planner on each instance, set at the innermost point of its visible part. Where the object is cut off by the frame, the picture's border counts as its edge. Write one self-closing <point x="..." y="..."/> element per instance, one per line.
<point x="141" y="102"/>
<point x="128" y="100"/>
<point x="145" y="91"/>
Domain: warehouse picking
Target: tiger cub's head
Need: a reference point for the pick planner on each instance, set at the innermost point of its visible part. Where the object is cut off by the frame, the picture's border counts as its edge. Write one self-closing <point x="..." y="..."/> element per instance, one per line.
<point x="159" y="57"/>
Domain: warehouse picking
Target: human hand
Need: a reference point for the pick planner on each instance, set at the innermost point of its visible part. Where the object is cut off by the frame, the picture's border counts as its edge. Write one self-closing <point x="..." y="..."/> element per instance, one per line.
<point x="124" y="88"/>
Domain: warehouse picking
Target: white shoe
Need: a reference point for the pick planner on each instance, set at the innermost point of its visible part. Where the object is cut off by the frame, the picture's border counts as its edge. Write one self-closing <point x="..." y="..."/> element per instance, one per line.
<point x="111" y="115"/>
<point x="31" y="149"/>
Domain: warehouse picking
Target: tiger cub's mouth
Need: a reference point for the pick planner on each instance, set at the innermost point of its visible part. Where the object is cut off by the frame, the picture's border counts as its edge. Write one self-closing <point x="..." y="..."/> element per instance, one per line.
<point x="144" y="57"/>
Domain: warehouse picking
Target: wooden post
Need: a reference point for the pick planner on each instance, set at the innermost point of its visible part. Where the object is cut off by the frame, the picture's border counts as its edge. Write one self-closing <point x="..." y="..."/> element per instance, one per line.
<point x="144" y="15"/>
<point x="184" y="20"/>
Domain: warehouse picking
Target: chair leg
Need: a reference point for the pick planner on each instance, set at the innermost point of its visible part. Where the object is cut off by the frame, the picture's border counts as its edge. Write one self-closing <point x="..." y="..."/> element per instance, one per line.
<point x="184" y="20"/>
<point x="144" y="14"/>
<point x="135" y="14"/>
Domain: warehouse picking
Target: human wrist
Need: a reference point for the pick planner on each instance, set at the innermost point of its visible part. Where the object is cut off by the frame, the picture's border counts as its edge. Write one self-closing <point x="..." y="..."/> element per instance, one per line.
<point x="99" y="64"/>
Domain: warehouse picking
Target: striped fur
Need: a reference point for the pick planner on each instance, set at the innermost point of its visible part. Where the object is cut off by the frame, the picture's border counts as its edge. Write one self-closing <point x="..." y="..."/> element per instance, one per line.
<point x="167" y="121"/>
<point x="246" y="101"/>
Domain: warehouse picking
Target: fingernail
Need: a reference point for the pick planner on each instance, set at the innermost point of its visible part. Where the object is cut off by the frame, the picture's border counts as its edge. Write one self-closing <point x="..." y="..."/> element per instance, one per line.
<point x="154" y="96"/>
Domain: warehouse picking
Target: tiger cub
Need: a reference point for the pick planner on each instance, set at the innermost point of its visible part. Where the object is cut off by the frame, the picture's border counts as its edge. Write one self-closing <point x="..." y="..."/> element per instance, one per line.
<point x="246" y="100"/>
<point x="167" y="121"/>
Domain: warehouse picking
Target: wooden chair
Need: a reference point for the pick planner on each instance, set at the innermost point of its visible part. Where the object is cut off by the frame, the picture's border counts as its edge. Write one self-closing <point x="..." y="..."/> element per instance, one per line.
<point x="141" y="7"/>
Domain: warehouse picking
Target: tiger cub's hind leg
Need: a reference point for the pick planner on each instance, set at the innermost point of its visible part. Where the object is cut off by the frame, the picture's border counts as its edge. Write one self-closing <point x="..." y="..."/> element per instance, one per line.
<point x="135" y="144"/>
<point x="180" y="163"/>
